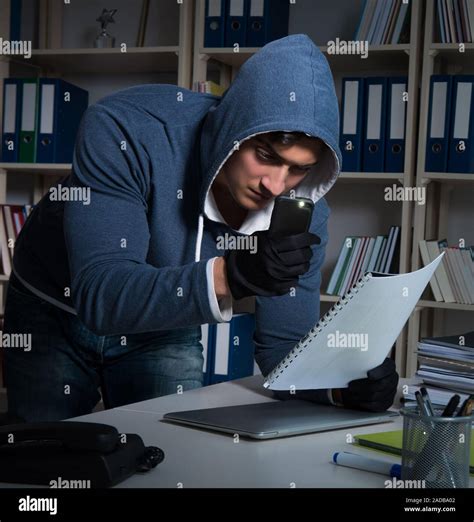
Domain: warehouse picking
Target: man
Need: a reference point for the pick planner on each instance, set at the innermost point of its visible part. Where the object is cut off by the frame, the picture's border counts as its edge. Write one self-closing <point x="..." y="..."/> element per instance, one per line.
<point x="114" y="288"/>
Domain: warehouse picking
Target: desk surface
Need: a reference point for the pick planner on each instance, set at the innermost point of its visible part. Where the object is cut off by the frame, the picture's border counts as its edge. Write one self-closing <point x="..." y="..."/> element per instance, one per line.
<point x="201" y="458"/>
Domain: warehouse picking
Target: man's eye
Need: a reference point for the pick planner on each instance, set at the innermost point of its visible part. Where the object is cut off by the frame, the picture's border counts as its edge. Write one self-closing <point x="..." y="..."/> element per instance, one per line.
<point x="301" y="170"/>
<point x="263" y="155"/>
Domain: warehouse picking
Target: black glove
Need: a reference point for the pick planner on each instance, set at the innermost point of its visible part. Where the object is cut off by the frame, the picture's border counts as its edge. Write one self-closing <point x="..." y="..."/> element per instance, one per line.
<point x="376" y="393"/>
<point x="273" y="269"/>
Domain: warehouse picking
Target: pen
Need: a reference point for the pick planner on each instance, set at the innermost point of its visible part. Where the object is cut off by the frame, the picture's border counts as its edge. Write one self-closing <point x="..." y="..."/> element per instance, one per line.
<point x="451" y="406"/>
<point x="424" y="410"/>
<point x="352" y="460"/>
<point x="426" y="397"/>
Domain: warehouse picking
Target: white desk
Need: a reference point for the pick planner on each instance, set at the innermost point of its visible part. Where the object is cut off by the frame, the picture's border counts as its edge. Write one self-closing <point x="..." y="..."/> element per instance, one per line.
<point x="201" y="458"/>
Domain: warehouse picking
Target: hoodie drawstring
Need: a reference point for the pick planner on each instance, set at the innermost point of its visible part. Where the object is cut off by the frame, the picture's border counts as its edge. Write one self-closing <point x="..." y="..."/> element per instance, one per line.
<point x="197" y="254"/>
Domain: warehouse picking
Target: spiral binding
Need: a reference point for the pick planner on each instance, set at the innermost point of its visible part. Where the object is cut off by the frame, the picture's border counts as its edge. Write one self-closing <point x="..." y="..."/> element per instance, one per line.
<point x="319" y="327"/>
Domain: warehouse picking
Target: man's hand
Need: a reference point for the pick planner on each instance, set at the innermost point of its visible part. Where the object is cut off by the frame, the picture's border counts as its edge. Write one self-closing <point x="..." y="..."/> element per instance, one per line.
<point x="376" y="393"/>
<point x="273" y="269"/>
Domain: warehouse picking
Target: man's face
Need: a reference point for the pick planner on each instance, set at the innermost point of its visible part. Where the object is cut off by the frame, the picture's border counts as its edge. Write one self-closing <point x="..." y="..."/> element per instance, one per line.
<point x="260" y="170"/>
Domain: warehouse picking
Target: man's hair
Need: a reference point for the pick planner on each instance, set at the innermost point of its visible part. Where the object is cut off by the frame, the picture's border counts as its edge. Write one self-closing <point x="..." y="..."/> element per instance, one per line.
<point x="290" y="138"/>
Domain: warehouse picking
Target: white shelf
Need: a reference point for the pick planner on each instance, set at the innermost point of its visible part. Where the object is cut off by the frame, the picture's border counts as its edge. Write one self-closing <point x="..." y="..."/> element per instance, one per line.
<point x="392" y="56"/>
<point x="446" y="306"/>
<point x="105" y="61"/>
<point x="52" y="169"/>
<point x="379" y="177"/>
<point x="448" y="177"/>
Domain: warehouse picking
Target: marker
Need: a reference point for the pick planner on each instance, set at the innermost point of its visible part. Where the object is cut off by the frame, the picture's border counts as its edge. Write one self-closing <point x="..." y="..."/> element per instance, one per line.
<point x="466" y="407"/>
<point x="451" y="406"/>
<point x="352" y="460"/>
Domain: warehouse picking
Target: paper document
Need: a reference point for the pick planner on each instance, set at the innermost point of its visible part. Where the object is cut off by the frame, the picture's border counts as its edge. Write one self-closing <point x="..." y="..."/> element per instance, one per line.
<point x="355" y="335"/>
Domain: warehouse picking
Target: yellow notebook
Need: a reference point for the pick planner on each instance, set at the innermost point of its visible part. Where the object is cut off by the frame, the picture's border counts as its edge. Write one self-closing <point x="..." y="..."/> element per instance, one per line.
<point x="391" y="442"/>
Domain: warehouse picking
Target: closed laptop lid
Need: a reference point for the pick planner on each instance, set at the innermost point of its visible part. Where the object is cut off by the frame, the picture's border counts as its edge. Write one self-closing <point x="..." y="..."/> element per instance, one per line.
<point x="272" y="419"/>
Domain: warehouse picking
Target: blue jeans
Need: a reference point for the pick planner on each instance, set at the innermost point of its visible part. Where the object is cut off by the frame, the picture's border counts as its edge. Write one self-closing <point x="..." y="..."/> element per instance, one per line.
<point x="60" y="376"/>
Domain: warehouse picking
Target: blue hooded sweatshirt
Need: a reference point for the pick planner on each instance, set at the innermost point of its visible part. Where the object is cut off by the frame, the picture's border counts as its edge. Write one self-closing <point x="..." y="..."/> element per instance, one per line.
<point x="138" y="258"/>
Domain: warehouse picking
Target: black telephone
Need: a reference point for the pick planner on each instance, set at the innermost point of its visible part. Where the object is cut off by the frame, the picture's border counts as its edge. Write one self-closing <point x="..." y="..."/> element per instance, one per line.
<point x="42" y="452"/>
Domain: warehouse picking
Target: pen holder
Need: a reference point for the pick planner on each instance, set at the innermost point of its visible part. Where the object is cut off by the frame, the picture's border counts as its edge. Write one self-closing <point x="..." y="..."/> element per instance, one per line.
<point x="436" y="449"/>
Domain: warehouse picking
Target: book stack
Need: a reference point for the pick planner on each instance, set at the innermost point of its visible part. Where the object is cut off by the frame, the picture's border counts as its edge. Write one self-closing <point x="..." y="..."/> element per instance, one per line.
<point x="12" y="219"/>
<point x="208" y="88"/>
<point x="454" y="279"/>
<point x="359" y="255"/>
<point x="446" y="367"/>
<point x="455" y="20"/>
<point x="386" y="22"/>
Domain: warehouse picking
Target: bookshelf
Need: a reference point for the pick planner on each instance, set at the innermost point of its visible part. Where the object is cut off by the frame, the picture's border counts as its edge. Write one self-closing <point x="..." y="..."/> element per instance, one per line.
<point x="431" y="221"/>
<point x="188" y="61"/>
<point x="222" y="64"/>
<point x="90" y="66"/>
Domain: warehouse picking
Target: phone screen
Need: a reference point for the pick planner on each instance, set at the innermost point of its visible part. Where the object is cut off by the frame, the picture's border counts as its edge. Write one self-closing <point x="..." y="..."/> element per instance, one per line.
<point x="291" y="216"/>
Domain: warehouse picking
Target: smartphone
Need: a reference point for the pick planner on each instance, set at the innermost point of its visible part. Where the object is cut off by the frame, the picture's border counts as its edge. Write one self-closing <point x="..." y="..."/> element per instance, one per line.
<point x="291" y="216"/>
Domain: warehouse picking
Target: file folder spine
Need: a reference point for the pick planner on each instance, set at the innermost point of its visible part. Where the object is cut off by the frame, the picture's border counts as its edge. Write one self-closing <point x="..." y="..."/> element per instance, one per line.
<point x="215" y="19"/>
<point x="267" y="21"/>
<point x="439" y="110"/>
<point x="352" y="113"/>
<point x="236" y="22"/>
<point x="61" y="108"/>
<point x="461" y="148"/>
<point x="11" y="120"/>
<point x="233" y="353"/>
<point x="29" y="123"/>
<point x="373" y="156"/>
<point x="396" y="121"/>
<point x="207" y="341"/>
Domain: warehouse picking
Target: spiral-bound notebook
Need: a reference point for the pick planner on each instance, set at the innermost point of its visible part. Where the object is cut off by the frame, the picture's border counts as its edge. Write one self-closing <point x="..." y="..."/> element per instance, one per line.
<point x="355" y="335"/>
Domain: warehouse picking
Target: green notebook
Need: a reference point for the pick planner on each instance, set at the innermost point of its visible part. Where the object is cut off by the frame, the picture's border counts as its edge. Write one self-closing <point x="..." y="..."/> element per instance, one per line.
<point x="391" y="442"/>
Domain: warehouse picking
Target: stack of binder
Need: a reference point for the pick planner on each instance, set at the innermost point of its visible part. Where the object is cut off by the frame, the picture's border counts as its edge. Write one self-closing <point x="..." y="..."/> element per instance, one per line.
<point x="359" y="255"/>
<point x="384" y="22"/>
<point x="373" y="119"/>
<point x="450" y="130"/>
<point x="229" y="349"/>
<point x="41" y="117"/>
<point x="455" y="21"/>
<point x="12" y="219"/>
<point x="453" y="281"/>
<point x="448" y="362"/>
<point x="248" y="23"/>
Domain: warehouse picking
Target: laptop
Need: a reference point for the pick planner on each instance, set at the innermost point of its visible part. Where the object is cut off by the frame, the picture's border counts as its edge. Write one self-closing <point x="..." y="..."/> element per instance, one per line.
<point x="273" y="419"/>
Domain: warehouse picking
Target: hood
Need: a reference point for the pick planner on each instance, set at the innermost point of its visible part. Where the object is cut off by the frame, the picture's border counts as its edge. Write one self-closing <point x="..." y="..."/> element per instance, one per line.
<point x="286" y="86"/>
